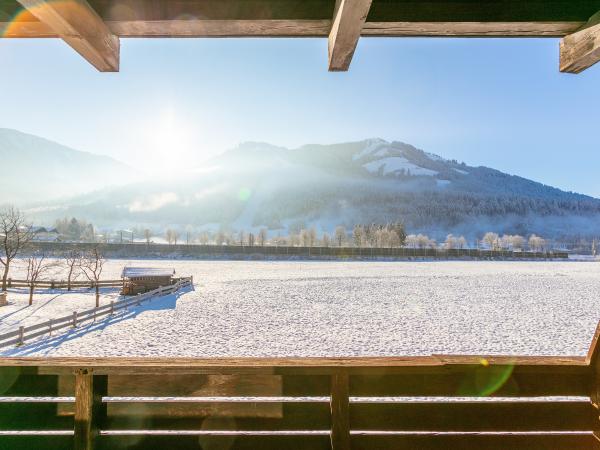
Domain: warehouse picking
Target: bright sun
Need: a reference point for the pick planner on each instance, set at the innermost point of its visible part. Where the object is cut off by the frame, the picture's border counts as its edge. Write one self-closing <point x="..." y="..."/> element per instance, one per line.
<point x="168" y="142"/>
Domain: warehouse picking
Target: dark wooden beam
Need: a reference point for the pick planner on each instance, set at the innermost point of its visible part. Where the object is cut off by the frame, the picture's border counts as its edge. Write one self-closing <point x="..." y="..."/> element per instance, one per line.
<point x="581" y="50"/>
<point x="470" y="29"/>
<point x="340" y="411"/>
<point x="348" y="20"/>
<point x="90" y="411"/>
<point x="80" y="27"/>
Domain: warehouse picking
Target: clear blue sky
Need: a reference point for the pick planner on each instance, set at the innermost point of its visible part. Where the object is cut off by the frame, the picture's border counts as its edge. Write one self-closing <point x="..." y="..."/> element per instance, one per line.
<point x="497" y="102"/>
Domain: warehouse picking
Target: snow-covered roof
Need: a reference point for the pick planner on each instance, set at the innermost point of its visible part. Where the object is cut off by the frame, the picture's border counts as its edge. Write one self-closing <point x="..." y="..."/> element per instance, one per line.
<point x="133" y="272"/>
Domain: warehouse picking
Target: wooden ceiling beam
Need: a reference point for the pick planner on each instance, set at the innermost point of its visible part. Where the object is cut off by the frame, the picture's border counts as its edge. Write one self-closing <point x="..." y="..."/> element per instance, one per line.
<point x="348" y="19"/>
<point x="81" y="27"/>
<point x="299" y="28"/>
<point x="581" y="50"/>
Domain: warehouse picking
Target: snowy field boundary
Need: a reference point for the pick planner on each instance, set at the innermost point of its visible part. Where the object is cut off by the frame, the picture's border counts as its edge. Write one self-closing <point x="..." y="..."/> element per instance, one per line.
<point x="18" y="337"/>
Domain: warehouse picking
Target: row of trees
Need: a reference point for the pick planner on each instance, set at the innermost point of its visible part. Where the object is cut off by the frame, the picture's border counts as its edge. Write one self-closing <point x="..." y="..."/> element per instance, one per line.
<point x="514" y="242"/>
<point x="16" y="236"/>
<point x="391" y="235"/>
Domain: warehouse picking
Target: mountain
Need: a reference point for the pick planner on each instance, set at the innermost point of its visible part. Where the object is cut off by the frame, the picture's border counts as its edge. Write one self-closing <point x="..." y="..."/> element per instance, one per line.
<point x="257" y="184"/>
<point x="41" y="170"/>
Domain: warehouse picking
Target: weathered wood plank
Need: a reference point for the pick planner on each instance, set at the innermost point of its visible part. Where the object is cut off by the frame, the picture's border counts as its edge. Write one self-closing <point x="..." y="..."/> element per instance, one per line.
<point x="340" y="411"/>
<point x="470" y="29"/>
<point x="80" y="27"/>
<point x="581" y="50"/>
<point x="348" y="20"/>
<point x="269" y="365"/>
<point x="90" y="411"/>
<point x="84" y="400"/>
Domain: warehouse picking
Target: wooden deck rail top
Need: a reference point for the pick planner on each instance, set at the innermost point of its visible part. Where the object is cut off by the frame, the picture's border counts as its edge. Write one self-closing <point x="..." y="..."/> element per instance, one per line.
<point x="106" y="365"/>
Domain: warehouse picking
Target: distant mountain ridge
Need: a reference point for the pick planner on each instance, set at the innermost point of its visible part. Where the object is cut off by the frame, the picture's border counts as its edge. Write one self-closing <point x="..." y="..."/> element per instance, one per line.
<point x="370" y="181"/>
<point x="39" y="169"/>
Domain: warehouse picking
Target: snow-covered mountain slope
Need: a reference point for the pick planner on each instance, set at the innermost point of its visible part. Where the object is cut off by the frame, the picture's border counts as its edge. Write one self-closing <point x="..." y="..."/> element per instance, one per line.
<point x="36" y="169"/>
<point x="257" y="184"/>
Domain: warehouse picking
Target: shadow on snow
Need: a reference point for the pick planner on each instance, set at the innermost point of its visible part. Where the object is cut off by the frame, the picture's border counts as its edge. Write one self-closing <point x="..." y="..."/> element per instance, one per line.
<point x="50" y="342"/>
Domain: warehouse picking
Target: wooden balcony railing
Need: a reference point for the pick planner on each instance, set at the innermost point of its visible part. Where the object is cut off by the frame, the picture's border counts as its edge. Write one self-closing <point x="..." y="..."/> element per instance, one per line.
<point x="431" y="402"/>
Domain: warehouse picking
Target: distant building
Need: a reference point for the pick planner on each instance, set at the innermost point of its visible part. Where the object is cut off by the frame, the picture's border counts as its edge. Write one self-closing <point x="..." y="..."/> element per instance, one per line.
<point x="42" y="234"/>
<point x="137" y="280"/>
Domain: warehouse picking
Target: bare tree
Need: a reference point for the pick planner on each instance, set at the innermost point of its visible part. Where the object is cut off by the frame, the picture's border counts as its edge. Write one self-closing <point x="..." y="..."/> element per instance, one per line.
<point x="15" y="235"/>
<point x="312" y="237"/>
<point x="262" y="236"/>
<point x="37" y="265"/>
<point x="492" y="240"/>
<point x="451" y="242"/>
<point x="340" y="235"/>
<point x="147" y="236"/>
<point x="304" y="238"/>
<point x="92" y="268"/>
<point x="325" y="240"/>
<point x="73" y="260"/>
<point x="203" y="237"/>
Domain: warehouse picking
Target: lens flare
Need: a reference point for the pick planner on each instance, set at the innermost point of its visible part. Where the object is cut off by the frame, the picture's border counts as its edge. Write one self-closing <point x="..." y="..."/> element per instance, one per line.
<point x="244" y="194"/>
<point x="29" y="22"/>
<point x="485" y="380"/>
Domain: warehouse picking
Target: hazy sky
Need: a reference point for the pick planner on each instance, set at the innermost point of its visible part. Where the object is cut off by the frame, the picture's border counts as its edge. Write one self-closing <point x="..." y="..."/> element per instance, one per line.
<point x="498" y="102"/>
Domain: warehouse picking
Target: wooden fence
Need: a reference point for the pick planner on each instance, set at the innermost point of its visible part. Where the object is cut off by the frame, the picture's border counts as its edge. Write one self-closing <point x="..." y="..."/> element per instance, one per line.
<point x="62" y="284"/>
<point x="431" y="402"/>
<point x="18" y="337"/>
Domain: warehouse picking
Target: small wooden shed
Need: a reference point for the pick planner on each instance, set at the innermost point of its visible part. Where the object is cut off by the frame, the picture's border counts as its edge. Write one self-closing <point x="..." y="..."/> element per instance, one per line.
<point x="137" y="280"/>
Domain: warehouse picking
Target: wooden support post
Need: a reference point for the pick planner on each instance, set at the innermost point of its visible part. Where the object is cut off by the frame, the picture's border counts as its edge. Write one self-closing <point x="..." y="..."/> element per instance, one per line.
<point x="348" y="20"/>
<point x="74" y="319"/>
<point x="581" y="50"/>
<point x="340" y="411"/>
<point x="112" y="307"/>
<point x="90" y="411"/>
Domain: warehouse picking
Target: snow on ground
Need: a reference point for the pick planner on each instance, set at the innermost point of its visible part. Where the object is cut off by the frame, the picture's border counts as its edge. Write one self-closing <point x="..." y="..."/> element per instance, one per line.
<point x="252" y="308"/>
<point x="394" y="164"/>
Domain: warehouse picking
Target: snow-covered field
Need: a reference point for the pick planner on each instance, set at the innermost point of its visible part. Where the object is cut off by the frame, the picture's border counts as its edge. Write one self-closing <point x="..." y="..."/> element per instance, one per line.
<point x="335" y="309"/>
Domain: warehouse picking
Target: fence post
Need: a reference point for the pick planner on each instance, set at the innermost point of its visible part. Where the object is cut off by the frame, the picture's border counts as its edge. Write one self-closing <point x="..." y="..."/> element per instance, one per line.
<point x="74" y="319"/>
<point x="340" y="410"/>
<point x="90" y="411"/>
<point x="160" y="291"/>
<point x="52" y="284"/>
<point x="21" y="335"/>
<point x="10" y="282"/>
<point x="50" y="326"/>
<point x="112" y="307"/>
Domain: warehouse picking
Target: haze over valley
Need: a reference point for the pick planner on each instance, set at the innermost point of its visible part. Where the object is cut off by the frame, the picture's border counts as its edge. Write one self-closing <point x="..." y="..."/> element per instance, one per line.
<point x="259" y="185"/>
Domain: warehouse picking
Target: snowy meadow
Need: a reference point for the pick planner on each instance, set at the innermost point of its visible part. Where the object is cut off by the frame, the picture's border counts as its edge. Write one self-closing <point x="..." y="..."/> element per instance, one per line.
<point x="251" y="308"/>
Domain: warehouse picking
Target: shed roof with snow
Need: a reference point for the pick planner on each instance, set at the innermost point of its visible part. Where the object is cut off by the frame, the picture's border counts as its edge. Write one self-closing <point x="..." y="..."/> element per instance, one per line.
<point x="137" y="272"/>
